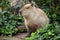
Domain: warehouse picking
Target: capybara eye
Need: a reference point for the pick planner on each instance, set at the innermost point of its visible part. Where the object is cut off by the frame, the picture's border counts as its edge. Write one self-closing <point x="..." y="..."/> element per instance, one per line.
<point x="27" y="7"/>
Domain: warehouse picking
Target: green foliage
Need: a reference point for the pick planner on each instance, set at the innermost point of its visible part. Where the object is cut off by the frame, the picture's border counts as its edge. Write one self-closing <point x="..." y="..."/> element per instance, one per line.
<point x="9" y="22"/>
<point x="50" y="31"/>
<point x="4" y="4"/>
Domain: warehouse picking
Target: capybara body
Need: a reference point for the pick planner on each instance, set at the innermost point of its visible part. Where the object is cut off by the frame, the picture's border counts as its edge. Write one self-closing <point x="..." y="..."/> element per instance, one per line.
<point x="34" y="17"/>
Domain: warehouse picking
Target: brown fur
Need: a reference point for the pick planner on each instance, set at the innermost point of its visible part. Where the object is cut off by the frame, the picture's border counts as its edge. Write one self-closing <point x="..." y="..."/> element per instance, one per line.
<point x="34" y="17"/>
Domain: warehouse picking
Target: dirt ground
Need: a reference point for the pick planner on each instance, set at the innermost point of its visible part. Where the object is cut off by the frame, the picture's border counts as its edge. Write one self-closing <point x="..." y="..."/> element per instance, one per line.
<point x="19" y="36"/>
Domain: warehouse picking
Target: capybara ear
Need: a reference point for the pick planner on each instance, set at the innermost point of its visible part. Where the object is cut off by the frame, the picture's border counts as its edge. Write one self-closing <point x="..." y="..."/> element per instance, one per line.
<point x="33" y="3"/>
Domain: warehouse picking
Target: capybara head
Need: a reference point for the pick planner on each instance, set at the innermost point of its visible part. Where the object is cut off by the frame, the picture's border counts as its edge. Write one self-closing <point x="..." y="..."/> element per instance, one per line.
<point x="26" y="9"/>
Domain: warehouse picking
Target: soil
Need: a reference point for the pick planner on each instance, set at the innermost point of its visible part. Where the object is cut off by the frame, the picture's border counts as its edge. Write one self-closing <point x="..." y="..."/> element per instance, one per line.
<point x="19" y="36"/>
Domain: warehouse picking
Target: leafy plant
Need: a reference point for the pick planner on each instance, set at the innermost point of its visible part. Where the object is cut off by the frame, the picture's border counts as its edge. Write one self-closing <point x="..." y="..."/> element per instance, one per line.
<point x="9" y="22"/>
<point x="50" y="32"/>
<point x="4" y="4"/>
